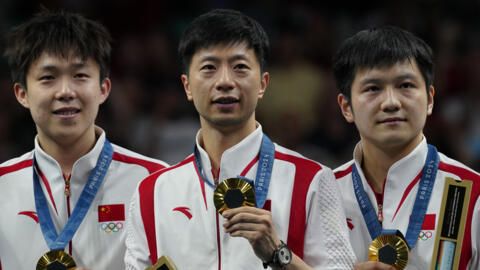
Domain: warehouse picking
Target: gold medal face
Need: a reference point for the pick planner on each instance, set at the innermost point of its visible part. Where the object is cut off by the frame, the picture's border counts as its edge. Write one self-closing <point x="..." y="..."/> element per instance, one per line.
<point x="56" y="259"/>
<point x="233" y="193"/>
<point x="390" y="249"/>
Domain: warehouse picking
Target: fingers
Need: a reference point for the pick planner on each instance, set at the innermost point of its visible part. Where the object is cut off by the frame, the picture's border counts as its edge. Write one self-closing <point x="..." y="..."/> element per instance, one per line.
<point x="247" y="218"/>
<point x="373" y="266"/>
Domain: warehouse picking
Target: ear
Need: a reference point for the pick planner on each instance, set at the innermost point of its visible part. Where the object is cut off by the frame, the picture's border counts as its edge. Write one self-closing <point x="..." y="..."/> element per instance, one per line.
<point x="431" y="91"/>
<point x="21" y="94"/>
<point x="186" y="86"/>
<point x="105" y="88"/>
<point x="263" y="84"/>
<point x="346" y="108"/>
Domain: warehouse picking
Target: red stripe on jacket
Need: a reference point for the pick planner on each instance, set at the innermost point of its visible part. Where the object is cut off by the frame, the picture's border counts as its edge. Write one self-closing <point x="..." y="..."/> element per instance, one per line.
<point x="16" y="167"/>
<point x="146" y="192"/>
<point x="468" y="175"/>
<point x="149" y="165"/>
<point x="341" y="174"/>
<point x="305" y="170"/>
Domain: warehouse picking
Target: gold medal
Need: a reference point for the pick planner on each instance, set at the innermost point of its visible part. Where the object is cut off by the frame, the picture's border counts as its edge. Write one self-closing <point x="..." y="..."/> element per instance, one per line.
<point x="390" y="249"/>
<point x="233" y="193"/>
<point x="163" y="263"/>
<point x="56" y="260"/>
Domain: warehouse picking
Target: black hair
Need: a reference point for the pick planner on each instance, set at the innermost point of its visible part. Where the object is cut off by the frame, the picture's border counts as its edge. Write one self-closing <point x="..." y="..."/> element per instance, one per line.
<point x="374" y="47"/>
<point x="57" y="33"/>
<point x="223" y="26"/>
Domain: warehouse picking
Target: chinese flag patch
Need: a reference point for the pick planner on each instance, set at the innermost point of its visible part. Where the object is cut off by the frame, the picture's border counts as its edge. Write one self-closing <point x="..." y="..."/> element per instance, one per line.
<point x="429" y="222"/>
<point x="111" y="212"/>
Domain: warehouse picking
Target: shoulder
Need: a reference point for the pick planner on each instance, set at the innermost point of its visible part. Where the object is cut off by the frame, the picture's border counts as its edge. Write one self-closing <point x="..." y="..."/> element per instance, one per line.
<point x="124" y="155"/>
<point x="298" y="160"/>
<point x="148" y="184"/>
<point x="452" y="166"/>
<point x="344" y="170"/>
<point x="16" y="164"/>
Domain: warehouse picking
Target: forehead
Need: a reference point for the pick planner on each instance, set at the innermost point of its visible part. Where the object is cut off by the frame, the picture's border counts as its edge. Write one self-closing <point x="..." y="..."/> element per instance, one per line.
<point x="48" y="60"/>
<point x="225" y="51"/>
<point x="407" y="68"/>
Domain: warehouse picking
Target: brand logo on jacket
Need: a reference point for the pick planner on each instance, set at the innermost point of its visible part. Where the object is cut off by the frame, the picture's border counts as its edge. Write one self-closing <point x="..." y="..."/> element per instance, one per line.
<point x="31" y="214"/>
<point x="184" y="210"/>
<point x="350" y="224"/>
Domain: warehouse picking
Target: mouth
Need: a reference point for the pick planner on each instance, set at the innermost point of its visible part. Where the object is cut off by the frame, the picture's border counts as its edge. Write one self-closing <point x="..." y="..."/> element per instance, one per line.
<point x="392" y="120"/>
<point x="66" y="111"/>
<point x="226" y="100"/>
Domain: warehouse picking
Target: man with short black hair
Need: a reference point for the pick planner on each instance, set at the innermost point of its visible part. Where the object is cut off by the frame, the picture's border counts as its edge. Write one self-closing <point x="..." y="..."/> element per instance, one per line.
<point x="298" y="222"/>
<point x="393" y="186"/>
<point x="68" y="197"/>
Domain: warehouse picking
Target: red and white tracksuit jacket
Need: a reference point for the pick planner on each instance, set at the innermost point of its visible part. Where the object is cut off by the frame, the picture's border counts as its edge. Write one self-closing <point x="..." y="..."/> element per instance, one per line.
<point x="173" y="213"/>
<point x="99" y="240"/>
<point x="399" y="194"/>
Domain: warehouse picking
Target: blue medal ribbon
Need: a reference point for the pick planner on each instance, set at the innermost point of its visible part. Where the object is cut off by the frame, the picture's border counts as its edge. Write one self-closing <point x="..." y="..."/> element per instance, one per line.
<point x="264" y="170"/>
<point x="419" y="208"/>
<point x="58" y="242"/>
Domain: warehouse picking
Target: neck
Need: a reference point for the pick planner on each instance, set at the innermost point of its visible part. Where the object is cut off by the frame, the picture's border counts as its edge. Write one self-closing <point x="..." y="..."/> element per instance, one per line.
<point x="216" y="140"/>
<point x="376" y="161"/>
<point x="66" y="153"/>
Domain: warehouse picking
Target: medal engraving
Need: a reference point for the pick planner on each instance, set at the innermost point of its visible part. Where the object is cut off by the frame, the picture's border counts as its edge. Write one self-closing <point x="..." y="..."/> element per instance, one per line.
<point x="390" y="249"/>
<point x="56" y="260"/>
<point x="233" y="193"/>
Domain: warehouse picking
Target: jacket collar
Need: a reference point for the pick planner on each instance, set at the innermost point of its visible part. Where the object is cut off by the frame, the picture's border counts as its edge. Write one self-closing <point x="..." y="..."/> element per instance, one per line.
<point x="235" y="159"/>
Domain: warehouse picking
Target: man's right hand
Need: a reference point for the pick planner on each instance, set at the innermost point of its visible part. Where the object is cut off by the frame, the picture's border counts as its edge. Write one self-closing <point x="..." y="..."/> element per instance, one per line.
<point x="373" y="266"/>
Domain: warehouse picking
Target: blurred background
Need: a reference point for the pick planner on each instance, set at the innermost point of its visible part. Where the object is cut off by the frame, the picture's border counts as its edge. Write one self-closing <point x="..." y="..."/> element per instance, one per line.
<point x="147" y="110"/>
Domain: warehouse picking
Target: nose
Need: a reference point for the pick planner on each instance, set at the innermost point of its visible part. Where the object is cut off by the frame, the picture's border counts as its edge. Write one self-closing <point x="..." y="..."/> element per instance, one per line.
<point x="225" y="80"/>
<point x="66" y="91"/>
<point x="390" y="102"/>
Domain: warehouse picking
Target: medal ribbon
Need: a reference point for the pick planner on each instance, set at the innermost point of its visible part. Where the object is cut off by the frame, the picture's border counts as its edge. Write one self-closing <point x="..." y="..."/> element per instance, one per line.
<point x="419" y="207"/>
<point x="58" y="242"/>
<point x="264" y="170"/>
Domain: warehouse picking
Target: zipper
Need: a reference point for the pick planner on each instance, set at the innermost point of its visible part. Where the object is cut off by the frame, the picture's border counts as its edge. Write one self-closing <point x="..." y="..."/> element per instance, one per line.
<point x="219" y="246"/>
<point x="67" y="194"/>
<point x="380" y="212"/>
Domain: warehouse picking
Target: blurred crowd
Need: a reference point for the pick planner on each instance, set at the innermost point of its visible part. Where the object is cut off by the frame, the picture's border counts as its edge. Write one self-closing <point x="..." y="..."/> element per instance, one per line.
<point x="147" y="110"/>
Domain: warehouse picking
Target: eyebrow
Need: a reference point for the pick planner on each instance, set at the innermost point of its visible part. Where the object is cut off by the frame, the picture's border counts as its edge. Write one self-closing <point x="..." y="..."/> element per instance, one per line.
<point x="52" y="68"/>
<point x="217" y="59"/>
<point x="406" y="76"/>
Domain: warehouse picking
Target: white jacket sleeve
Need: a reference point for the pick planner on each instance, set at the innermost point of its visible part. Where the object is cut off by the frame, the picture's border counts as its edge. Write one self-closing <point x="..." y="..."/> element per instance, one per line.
<point x="327" y="243"/>
<point x="137" y="254"/>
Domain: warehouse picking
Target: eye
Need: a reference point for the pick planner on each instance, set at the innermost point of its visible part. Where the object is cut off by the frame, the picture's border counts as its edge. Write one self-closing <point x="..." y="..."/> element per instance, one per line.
<point x="208" y="67"/>
<point x="46" y="78"/>
<point x="241" y="66"/>
<point x="81" y="75"/>
<point x="371" y="88"/>
<point x="407" y="85"/>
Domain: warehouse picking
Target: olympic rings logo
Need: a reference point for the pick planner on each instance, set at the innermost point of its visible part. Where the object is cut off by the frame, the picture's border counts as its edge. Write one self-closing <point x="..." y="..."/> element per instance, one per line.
<point x="425" y="235"/>
<point x="111" y="227"/>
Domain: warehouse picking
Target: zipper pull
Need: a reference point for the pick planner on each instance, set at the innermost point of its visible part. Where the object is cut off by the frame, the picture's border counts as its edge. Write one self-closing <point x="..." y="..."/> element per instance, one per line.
<point x="67" y="185"/>
<point x="380" y="213"/>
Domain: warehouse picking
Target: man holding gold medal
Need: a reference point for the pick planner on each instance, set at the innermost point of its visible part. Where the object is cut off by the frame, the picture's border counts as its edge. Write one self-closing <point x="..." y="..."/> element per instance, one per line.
<point x="239" y="201"/>
<point x="407" y="205"/>
<point x="63" y="204"/>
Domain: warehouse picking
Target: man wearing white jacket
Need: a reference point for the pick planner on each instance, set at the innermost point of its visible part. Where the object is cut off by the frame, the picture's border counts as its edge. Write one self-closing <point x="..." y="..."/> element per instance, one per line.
<point x="396" y="180"/>
<point x="68" y="197"/>
<point x="298" y="222"/>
